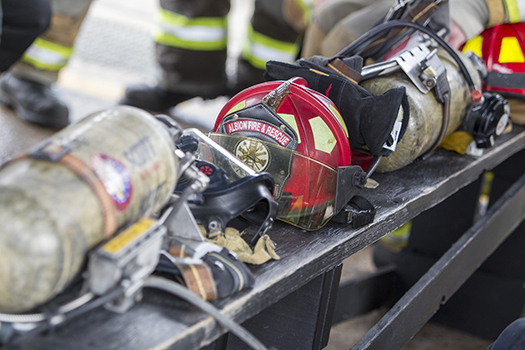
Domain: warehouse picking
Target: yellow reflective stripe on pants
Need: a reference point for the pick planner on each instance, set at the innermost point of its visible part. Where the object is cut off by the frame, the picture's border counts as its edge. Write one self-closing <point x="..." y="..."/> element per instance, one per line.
<point x="515" y="10"/>
<point x="47" y="55"/>
<point x="200" y="34"/>
<point x="398" y="238"/>
<point x="260" y="48"/>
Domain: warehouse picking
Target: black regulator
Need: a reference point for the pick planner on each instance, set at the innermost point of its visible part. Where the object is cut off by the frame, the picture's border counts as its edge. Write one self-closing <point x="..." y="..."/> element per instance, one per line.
<point x="488" y="118"/>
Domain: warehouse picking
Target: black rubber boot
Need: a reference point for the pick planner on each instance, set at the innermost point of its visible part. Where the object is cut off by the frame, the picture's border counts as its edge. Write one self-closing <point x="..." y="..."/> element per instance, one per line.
<point x="153" y="98"/>
<point x="33" y="102"/>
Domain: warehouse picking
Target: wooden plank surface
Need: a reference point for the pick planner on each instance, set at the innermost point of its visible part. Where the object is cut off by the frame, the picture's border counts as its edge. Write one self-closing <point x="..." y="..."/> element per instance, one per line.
<point x="161" y="321"/>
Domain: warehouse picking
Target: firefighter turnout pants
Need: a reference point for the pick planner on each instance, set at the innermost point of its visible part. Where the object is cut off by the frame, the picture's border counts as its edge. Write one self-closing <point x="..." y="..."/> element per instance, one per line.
<point x="22" y="21"/>
<point x="192" y="40"/>
<point x="51" y="51"/>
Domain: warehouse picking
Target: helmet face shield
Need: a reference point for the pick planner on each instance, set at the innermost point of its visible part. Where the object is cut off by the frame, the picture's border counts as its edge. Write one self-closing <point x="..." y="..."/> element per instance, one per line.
<point x="304" y="187"/>
<point x="259" y="156"/>
<point x="295" y="134"/>
<point x="236" y="194"/>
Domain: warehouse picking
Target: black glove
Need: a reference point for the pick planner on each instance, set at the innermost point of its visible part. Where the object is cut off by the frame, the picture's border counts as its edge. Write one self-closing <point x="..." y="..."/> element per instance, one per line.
<point x="369" y="118"/>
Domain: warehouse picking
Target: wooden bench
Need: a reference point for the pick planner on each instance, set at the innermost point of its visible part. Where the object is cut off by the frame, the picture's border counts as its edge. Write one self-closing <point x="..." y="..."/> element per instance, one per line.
<point x="292" y="303"/>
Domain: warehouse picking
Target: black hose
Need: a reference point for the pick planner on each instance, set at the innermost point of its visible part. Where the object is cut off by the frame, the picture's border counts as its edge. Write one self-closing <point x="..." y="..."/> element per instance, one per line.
<point x="373" y="166"/>
<point x="364" y="41"/>
<point x="182" y="292"/>
<point x="68" y="316"/>
<point x="111" y="295"/>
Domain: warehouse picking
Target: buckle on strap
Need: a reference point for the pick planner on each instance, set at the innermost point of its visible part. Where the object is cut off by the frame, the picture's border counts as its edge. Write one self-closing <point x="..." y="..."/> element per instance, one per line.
<point x="49" y="151"/>
<point x="358" y="212"/>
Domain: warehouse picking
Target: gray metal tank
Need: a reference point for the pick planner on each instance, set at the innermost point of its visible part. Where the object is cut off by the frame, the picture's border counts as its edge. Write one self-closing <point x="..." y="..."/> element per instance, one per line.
<point x="425" y="111"/>
<point x="50" y="217"/>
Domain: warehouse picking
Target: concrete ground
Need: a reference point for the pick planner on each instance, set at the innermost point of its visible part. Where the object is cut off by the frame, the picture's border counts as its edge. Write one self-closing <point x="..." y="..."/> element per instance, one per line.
<point x="114" y="49"/>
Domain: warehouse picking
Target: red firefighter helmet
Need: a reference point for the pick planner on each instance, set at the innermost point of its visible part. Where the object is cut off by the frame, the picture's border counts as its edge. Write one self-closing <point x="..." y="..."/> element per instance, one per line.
<point x="297" y="135"/>
<point x="502" y="48"/>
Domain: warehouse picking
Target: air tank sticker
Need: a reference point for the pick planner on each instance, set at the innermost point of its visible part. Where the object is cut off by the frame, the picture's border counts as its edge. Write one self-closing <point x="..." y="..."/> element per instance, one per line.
<point x="115" y="178"/>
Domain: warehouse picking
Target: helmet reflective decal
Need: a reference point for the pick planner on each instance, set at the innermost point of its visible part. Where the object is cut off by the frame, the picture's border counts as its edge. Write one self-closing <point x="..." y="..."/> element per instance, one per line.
<point x="338" y="115"/>
<point x="290" y="120"/>
<point x="324" y="139"/>
<point x="502" y="49"/>
<point x="237" y="107"/>
<point x="475" y="45"/>
<point x="510" y="51"/>
<point x="253" y="153"/>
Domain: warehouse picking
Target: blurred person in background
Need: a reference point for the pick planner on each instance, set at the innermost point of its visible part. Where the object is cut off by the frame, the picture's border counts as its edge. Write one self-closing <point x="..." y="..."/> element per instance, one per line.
<point x="340" y="22"/>
<point x="27" y="86"/>
<point x="21" y="22"/>
<point x="191" y="49"/>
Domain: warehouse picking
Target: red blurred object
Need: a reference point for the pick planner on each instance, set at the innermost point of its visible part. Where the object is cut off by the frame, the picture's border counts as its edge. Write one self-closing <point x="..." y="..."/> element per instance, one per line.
<point x="307" y="107"/>
<point x="502" y="48"/>
<point x="307" y="195"/>
<point x="476" y="96"/>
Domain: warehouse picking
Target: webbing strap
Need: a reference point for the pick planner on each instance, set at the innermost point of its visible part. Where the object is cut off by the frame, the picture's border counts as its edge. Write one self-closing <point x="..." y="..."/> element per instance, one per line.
<point x="496" y="12"/>
<point x="444" y="126"/>
<point x="340" y="67"/>
<point x="59" y="154"/>
<point x="199" y="279"/>
<point x="421" y="12"/>
<point x="178" y="252"/>
<point x="418" y="14"/>
<point x="107" y="206"/>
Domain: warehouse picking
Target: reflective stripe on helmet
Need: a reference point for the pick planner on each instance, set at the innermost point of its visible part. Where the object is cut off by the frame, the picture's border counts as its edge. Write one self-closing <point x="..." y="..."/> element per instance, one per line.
<point x="47" y="55"/>
<point x="340" y="117"/>
<point x="502" y="49"/>
<point x="290" y="120"/>
<point x="237" y="107"/>
<point x="324" y="139"/>
<point x="510" y="51"/>
<point x="475" y="45"/>
<point x="260" y="48"/>
<point x="515" y="10"/>
<point x="201" y="34"/>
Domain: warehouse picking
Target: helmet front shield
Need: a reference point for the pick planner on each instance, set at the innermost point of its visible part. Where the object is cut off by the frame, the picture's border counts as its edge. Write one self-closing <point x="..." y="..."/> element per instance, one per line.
<point x="304" y="188"/>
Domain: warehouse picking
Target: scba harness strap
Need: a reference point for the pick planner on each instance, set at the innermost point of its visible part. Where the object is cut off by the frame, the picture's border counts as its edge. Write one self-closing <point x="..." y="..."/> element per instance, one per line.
<point x="418" y="12"/>
<point x="55" y="153"/>
<point x="208" y="270"/>
<point x="358" y="212"/>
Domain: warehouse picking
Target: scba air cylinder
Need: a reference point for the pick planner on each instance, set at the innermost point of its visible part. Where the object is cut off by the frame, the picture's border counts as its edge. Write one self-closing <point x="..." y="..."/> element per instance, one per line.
<point x="74" y="190"/>
<point x="426" y="113"/>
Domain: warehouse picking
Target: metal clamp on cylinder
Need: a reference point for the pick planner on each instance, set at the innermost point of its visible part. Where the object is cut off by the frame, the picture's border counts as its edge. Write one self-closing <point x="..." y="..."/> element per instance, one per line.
<point x="50" y="151"/>
<point x="127" y="259"/>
